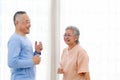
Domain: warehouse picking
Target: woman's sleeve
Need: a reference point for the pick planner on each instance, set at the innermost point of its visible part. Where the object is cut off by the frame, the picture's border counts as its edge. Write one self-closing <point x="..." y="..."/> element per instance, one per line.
<point x="83" y="62"/>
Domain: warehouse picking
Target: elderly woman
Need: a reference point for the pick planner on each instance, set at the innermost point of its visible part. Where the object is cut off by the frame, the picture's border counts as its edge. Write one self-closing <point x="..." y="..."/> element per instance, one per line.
<point x="74" y="59"/>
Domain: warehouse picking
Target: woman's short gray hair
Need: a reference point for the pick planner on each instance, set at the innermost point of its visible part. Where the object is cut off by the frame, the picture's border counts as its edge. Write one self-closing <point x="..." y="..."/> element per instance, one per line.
<point x="76" y="31"/>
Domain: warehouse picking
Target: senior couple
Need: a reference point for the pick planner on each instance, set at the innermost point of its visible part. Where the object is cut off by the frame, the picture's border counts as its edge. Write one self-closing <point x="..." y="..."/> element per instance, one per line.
<point x="74" y="63"/>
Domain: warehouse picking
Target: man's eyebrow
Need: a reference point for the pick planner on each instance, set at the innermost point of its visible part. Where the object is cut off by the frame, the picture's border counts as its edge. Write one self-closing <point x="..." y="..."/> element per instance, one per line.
<point x="27" y="20"/>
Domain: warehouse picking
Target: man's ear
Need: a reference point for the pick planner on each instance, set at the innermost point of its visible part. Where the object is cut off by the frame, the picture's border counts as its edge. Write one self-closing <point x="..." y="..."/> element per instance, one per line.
<point x="16" y="22"/>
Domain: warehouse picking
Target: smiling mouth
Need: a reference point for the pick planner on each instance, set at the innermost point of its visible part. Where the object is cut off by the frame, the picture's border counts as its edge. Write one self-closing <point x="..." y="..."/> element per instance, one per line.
<point x="68" y="40"/>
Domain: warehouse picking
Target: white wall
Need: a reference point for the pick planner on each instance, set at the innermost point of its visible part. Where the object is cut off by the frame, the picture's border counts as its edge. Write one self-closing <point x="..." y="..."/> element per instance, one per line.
<point x="99" y="24"/>
<point x="39" y="13"/>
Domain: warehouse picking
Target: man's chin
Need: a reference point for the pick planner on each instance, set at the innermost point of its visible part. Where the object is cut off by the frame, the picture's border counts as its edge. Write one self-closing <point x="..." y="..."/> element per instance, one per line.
<point x="27" y="32"/>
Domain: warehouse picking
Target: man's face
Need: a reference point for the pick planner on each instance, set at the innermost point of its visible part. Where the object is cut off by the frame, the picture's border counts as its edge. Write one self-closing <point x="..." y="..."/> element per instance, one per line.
<point x="69" y="37"/>
<point x="24" y="24"/>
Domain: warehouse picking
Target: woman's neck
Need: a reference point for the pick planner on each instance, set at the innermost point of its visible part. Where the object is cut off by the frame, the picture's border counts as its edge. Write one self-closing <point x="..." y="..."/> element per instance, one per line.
<point x="71" y="46"/>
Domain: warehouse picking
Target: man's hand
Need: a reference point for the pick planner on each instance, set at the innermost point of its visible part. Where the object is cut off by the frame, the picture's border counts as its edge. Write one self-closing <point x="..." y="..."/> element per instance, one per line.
<point x="38" y="47"/>
<point x="36" y="59"/>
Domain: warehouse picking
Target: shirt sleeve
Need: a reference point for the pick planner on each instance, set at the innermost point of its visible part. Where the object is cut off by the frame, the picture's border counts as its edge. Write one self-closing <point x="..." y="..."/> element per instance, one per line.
<point x="14" y="59"/>
<point x="83" y="62"/>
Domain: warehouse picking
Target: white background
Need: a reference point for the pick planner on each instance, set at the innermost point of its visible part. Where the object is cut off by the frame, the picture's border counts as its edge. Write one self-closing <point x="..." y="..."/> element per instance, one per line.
<point x="97" y="20"/>
<point x="99" y="25"/>
<point x="39" y="13"/>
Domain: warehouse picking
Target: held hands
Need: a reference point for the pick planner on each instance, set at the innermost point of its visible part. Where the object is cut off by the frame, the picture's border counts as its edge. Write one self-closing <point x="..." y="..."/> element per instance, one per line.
<point x="36" y="59"/>
<point x="38" y="47"/>
<point x="60" y="69"/>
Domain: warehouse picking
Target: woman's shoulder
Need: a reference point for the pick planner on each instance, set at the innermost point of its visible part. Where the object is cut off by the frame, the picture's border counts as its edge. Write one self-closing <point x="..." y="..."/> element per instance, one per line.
<point x="81" y="50"/>
<point x="65" y="49"/>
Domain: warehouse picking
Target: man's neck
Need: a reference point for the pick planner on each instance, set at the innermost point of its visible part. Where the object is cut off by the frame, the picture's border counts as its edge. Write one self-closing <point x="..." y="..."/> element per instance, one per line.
<point x="20" y="33"/>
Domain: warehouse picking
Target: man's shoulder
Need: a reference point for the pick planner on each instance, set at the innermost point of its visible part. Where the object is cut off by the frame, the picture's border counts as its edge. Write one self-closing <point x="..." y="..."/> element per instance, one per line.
<point x="14" y="37"/>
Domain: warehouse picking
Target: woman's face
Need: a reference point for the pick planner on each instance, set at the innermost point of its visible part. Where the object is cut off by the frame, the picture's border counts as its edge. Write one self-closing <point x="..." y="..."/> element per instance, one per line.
<point x="69" y="37"/>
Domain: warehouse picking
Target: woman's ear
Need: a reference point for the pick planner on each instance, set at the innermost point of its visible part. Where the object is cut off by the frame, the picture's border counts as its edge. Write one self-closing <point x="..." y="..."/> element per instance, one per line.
<point x="76" y="37"/>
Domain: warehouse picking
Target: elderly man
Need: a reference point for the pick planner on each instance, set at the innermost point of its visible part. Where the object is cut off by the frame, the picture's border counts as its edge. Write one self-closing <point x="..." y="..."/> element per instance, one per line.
<point x="21" y="58"/>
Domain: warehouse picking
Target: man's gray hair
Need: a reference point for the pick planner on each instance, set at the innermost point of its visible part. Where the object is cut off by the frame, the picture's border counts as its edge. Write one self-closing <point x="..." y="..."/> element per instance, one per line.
<point x="75" y="30"/>
<point x="17" y="15"/>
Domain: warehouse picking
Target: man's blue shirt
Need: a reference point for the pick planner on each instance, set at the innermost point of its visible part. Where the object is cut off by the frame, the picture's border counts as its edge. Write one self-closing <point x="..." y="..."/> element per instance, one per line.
<point x="20" y="55"/>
